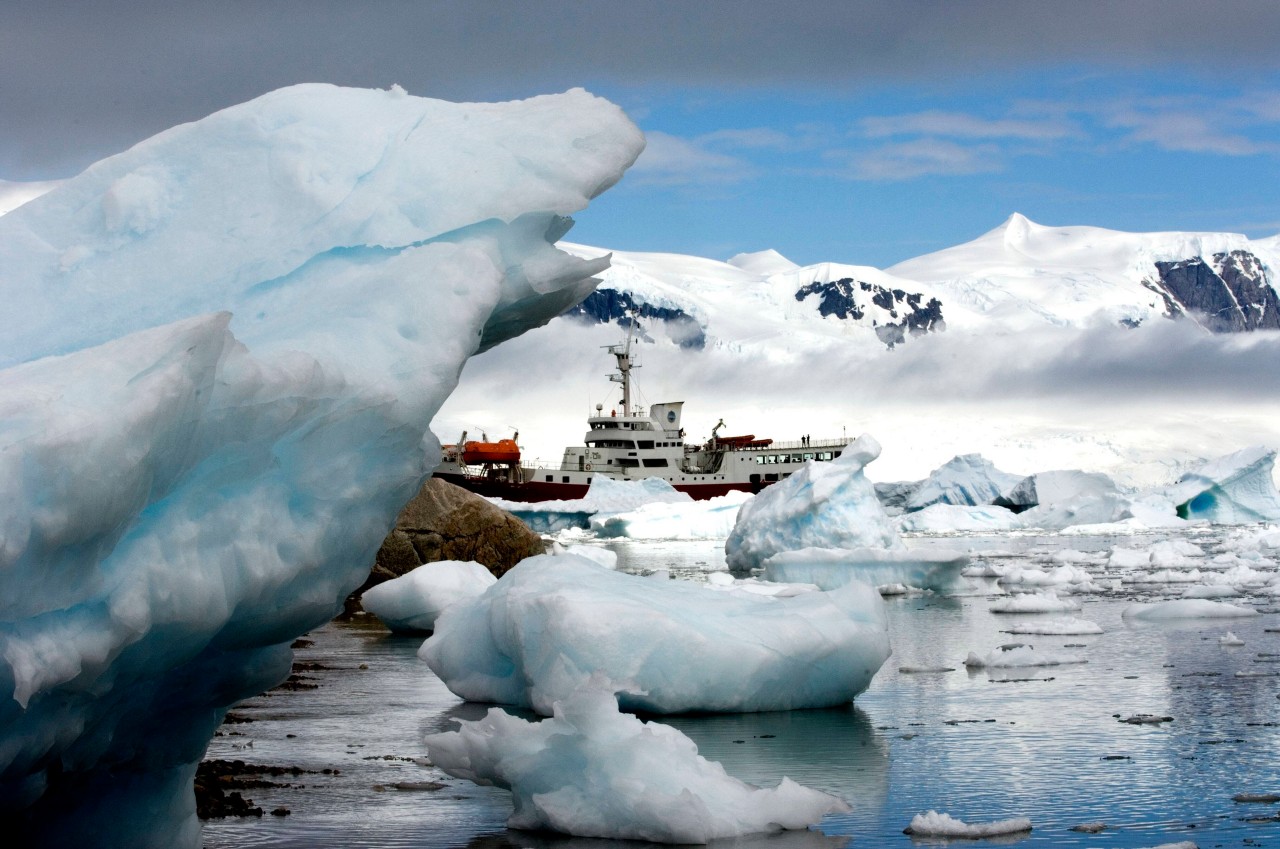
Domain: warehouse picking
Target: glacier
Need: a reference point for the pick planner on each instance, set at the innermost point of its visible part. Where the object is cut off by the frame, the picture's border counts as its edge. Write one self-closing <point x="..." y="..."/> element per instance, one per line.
<point x="555" y="623"/>
<point x="222" y="350"/>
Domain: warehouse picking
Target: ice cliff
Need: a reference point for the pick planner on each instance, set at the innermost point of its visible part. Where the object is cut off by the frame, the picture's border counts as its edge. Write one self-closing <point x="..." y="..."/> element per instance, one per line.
<point x="222" y="350"/>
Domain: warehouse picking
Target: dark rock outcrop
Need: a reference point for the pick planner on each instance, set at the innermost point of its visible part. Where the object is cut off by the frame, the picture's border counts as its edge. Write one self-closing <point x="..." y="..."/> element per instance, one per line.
<point x="1230" y="294"/>
<point x="605" y="306"/>
<point x="907" y="312"/>
<point x="446" y="522"/>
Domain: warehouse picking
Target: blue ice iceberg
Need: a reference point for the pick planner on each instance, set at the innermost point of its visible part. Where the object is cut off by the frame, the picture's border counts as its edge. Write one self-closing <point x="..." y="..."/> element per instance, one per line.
<point x="221" y="353"/>
<point x="1236" y="489"/>
<point x="552" y="623"/>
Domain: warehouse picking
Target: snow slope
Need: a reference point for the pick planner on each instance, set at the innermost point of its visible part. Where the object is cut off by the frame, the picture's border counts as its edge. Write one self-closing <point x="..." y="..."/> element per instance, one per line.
<point x="221" y="353"/>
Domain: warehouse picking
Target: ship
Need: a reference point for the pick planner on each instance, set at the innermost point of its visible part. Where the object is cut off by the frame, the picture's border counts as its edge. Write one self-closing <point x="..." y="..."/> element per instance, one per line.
<point x="633" y="445"/>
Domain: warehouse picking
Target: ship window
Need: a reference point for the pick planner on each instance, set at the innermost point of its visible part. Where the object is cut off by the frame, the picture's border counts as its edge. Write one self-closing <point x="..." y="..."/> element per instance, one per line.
<point x="760" y="460"/>
<point x="564" y="479"/>
<point x="809" y="456"/>
<point x="628" y="462"/>
<point x="644" y="443"/>
<point x="797" y="458"/>
<point x="658" y="463"/>
<point x="824" y="455"/>
<point x="549" y="478"/>
<point x="771" y="477"/>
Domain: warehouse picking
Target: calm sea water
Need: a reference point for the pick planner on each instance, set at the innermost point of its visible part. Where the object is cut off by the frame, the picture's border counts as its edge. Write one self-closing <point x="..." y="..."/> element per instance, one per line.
<point x="1045" y="743"/>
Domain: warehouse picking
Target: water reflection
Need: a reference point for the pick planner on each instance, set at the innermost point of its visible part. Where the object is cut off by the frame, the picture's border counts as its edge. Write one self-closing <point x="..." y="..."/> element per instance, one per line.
<point x="513" y="839"/>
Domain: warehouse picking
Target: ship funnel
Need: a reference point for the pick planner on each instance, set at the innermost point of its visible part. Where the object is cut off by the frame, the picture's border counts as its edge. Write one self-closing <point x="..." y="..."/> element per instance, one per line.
<point x="667" y="415"/>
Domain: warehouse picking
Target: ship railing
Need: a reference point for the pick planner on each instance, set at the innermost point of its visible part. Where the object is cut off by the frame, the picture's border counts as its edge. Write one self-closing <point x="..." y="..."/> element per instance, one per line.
<point x="796" y="444"/>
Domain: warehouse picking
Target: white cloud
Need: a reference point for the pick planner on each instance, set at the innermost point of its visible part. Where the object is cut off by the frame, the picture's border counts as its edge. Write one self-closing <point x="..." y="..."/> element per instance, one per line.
<point x="1189" y="131"/>
<point x="919" y="158"/>
<point x="961" y="125"/>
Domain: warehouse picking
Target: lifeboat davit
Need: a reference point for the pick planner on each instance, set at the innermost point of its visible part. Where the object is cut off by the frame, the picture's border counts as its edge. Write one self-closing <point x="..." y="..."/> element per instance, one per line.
<point x="502" y="451"/>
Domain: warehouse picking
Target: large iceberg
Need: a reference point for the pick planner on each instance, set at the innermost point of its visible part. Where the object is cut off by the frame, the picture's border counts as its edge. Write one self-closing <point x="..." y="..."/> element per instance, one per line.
<point x="1236" y="489"/>
<point x="553" y="623"/>
<point x="824" y="505"/>
<point x="593" y="771"/>
<point x="968" y="480"/>
<point x="222" y="350"/>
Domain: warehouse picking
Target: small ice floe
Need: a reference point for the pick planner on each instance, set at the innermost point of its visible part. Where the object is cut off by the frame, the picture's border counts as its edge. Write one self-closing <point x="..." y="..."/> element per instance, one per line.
<point x="924" y="670"/>
<point x="1019" y="654"/>
<point x="410" y="603"/>
<point x="1165" y="576"/>
<point x="1259" y="798"/>
<point x="710" y="519"/>
<point x="1067" y="576"/>
<point x="1146" y="719"/>
<point x="1241" y="674"/>
<point x="899" y="589"/>
<point x="1186" y="608"/>
<point x="934" y="824"/>
<point x="1045" y="602"/>
<point x="1070" y="626"/>
<point x="593" y="771"/>
<point x="1181" y="844"/>
<point x="1090" y="827"/>
<point x="1230" y="639"/>
<point x="1210" y="591"/>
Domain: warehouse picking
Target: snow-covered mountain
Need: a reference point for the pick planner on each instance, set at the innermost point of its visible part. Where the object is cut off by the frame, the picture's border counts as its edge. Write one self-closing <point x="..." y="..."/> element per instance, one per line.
<point x="1016" y="277"/>
<point x="1037" y="346"/>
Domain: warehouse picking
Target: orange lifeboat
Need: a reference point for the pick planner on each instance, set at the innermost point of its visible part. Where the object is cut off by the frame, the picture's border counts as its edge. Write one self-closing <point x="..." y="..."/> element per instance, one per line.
<point x="502" y="451"/>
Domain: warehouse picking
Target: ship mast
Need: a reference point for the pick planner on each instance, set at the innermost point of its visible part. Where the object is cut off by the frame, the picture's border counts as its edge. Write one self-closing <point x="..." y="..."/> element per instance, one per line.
<point x="623" y="355"/>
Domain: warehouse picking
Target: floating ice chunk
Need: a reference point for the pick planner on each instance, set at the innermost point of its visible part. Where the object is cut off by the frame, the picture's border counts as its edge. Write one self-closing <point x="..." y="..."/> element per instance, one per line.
<point x="969" y="479"/>
<point x="1070" y="626"/>
<point x="710" y="519"/>
<point x="1165" y="576"/>
<point x="1230" y="639"/>
<point x="984" y="570"/>
<point x="1211" y="591"/>
<point x="593" y="771"/>
<point x="934" y="824"/>
<point x="1235" y="489"/>
<point x="833" y="567"/>
<point x="925" y="670"/>
<point x="950" y="518"/>
<point x="552" y="623"/>
<point x="412" y="601"/>
<point x="1046" y="602"/>
<point x="1019" y="655"/>
<point x="1066" y="576"/>
<point x="1186" y="608"/>
<point x="826" y="505"/>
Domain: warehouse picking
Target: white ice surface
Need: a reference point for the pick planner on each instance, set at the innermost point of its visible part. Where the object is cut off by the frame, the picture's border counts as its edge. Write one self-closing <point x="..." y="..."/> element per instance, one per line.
<point x="833" y="567"/>
<point x="967" y="480"/>
<point x="824" y="505"/>
<point x="949" y="518"/>
<point x="934" y="824"/>
<point x="1183" y="608"/>
<point x="712" y="518"/>
<point x="1043" y="602"/>
<point x="593" y="771"/>
<point x="1018" y="655"/>
<point x="412" y="601"/>
<point x="221" y="352"/>
<point x="552" y="623"/>
<point x="1070" y="626"/>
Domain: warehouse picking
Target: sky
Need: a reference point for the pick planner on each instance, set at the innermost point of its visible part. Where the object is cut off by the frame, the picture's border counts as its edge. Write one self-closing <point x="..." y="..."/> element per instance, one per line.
<point x="857" y="132"/>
